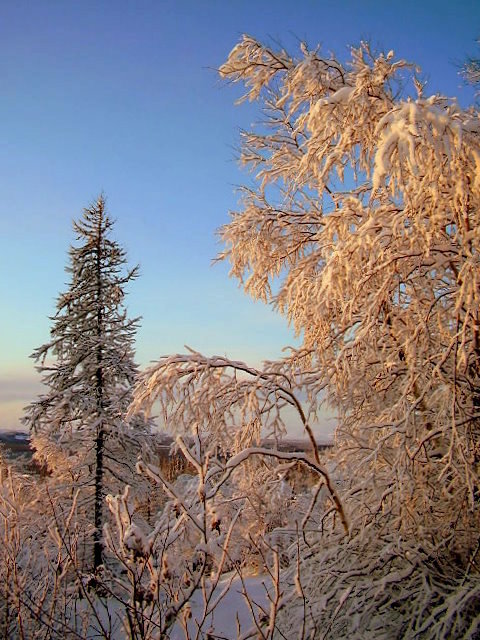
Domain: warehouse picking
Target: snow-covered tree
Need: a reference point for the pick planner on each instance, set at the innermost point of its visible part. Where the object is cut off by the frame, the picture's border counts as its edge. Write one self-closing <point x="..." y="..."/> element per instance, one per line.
<point x="471" y="71"/>
<point x="78" y="425"/>
<point x="362" y="227"/>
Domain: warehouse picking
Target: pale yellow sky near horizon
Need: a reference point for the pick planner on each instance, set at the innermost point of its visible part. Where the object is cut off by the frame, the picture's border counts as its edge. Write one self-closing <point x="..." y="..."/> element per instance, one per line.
<point x="17" y="391"/>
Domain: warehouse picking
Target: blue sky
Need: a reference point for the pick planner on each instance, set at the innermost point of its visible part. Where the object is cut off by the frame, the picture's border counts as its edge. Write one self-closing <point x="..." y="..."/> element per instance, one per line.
<point x="123" y="97"/>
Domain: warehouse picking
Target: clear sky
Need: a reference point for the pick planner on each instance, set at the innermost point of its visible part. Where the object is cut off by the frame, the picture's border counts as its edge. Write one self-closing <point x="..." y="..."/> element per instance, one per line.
<point x="123" y="97"/>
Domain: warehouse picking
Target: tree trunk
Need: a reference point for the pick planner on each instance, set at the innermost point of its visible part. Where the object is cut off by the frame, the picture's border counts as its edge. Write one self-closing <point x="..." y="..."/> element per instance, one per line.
<point x="98" y="518"/>
<point x="100" y="439"/>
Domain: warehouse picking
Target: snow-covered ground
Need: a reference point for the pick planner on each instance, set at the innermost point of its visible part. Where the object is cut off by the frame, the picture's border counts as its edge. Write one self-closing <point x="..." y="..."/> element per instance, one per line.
<point x="229" y="612"/>
<point x="232" y="608"/>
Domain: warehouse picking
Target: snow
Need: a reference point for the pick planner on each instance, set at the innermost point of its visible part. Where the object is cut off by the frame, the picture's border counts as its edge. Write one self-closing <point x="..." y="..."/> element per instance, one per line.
<point x="106" y="619"/>
<point x="232" y="607"/>
<point x="135" y="540"/>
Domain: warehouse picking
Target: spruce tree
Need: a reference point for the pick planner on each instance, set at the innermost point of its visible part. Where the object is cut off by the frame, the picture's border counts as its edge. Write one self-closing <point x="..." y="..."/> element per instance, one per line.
<point x="89" y="370"/>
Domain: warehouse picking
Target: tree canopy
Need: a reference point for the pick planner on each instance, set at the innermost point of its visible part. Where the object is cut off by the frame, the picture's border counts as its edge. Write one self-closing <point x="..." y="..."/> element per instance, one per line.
<point x="360" y="225"/>
<point x="363" y="228"/>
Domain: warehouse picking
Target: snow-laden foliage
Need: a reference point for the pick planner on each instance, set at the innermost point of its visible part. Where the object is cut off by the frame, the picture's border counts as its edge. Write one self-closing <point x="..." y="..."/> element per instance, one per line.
<point x="78" y="425"/>
<point x="363" y="229"/>
<point x="32" y="566"/>
<point x="228" y="407"/>
<point x="239" y="511"/>
<point x="185" y="553"/>
<point x="216" y="528"/>
<point x="361" y="226"/>
<point x="44" y="591"/>
<point x="471" y="72"/>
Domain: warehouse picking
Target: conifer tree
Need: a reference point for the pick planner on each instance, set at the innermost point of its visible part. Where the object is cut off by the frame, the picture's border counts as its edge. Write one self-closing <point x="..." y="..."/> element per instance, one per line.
<point x="88" y="368"/>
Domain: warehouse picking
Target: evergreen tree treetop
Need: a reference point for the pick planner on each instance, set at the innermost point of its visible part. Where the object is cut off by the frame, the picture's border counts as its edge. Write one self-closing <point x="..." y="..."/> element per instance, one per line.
<point x="91" y="333"/>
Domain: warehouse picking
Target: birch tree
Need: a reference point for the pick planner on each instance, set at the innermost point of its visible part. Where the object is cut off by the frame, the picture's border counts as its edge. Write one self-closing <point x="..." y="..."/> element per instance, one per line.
<point x="471" y="71"/>
<point x="362" y="228"/>
<point x="78" y="425"/>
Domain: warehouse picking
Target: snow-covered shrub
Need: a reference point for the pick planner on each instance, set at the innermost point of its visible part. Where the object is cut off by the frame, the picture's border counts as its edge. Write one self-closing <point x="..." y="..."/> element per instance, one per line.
<point x="377" y="584"/>
<point x="159" y="570"/>
<point x="230" y="513"/>
<point x="45" y="590"/>
<point x="37" y="557"/>
<point x="224" y="408"/>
